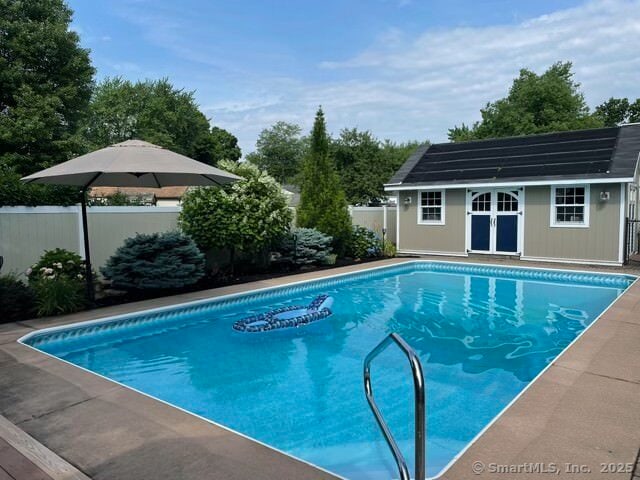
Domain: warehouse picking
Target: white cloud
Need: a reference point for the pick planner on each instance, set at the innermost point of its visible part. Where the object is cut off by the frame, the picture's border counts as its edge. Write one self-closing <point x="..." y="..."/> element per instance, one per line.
<point x="404" y="87"/>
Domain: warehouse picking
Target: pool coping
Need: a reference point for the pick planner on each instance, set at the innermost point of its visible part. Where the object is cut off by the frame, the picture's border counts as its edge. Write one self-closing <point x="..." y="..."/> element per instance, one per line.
<point x="452" y="469"/>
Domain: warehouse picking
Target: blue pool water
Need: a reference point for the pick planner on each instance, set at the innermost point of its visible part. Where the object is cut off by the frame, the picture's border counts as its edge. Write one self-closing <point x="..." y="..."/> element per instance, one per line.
<point x="482" y="334"/>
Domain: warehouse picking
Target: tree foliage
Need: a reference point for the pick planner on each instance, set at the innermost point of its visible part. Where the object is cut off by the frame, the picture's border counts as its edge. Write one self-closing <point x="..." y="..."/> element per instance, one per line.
<point x="279" y="151"/>
<point x="158" y="112"/>
<point x="365" y="163"/>
<point x="549" y="102"/>
<point x="323" y="204"/>
<point x="616" y="111"/>
<point x="15" y="192"/>
<point x="45" y="85"/>
<point x="248" y="216"/>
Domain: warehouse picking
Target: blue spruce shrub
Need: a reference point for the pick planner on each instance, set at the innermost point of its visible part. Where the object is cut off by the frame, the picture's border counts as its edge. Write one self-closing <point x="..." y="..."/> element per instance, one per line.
<point x="155" y="262"/>
<point x="305" y="246"/>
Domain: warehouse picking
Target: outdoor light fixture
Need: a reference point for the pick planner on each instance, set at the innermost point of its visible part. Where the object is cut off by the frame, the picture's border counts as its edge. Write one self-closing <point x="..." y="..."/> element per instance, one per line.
<point x="407" y="201"/>
<point x="604" y="196"/>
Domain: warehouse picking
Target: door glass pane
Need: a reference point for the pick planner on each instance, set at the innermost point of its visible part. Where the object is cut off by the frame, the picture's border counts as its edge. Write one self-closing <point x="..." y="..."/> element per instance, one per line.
<point x="481" y="203"/>
<point x="507" y="202"/>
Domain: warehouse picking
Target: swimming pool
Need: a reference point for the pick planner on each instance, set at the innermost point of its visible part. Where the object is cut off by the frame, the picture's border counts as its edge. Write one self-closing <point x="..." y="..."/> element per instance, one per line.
<point x="483" y="334"/>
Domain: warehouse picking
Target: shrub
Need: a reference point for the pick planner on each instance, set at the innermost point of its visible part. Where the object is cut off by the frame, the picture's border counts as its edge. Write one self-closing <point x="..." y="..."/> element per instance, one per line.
<point x="58" y="262"/>
<point x="388" y="249"/>
<point x="246" y="216"/>
<point x="155" y="262"/>
<point x="16" y="299"/>
<point x="364" y="243"/>
<point x="58" y="281"/>
<point x="305" y="246"/>
<point x="57" y="295"/>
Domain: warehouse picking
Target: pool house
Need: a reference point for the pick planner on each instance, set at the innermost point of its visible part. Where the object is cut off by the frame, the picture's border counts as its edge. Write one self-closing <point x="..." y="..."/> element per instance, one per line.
<point x="559" y="197"/>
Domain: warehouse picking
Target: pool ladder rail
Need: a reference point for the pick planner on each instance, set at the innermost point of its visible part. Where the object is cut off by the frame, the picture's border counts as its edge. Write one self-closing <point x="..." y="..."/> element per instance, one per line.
<point x="419" y="399"/>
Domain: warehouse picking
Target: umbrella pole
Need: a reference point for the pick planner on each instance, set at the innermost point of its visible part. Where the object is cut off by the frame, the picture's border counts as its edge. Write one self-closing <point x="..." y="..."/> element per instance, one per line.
<point x="87" y="255"/>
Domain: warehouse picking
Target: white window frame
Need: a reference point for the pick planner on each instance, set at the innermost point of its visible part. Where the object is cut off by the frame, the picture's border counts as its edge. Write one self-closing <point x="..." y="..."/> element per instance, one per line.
<point x="552" y="207"/>
<point x="442" y="208"/>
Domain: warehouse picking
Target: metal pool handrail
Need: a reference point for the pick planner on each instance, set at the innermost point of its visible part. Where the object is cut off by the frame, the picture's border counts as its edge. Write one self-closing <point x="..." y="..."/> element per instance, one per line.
<point x="419" y="399"/>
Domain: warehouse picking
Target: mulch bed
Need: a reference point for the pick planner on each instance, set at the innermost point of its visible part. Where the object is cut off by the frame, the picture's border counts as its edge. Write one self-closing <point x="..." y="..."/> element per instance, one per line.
<point x="223" y="281"/>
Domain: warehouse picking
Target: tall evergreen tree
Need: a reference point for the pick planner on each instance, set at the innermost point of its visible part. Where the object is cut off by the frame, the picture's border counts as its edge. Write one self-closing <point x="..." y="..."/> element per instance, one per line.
<point x="323" y="204"/>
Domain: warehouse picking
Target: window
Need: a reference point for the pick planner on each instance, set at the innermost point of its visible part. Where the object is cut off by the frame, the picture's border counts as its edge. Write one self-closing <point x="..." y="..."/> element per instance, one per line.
<point x="570" y="206"/>
<point x="431" y="208"/>
<point x="508" y="201"/>
<point x="481" y="203"/>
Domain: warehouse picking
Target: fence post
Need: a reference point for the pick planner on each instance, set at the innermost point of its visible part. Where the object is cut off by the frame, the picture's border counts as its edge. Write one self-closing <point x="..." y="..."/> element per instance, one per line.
<point x="627" y="232"/>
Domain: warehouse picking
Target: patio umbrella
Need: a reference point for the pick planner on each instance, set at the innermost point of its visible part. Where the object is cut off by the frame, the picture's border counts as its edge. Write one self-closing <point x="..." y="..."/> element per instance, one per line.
<point x="133" y="163"/>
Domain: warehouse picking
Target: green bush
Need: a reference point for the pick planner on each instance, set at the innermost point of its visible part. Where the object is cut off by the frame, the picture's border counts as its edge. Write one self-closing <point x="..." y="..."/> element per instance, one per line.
<point x="57" y="262"/>
<point x="388" y="249"/>
<point x="155" y="262"/>
<point x="305" y="246"/>
<point x="16" y="300"/>
<point x="56" y="295"/>
<point x="247" y="216"/>
<point x="58" y="281"/>
<point x="364" y="243"/>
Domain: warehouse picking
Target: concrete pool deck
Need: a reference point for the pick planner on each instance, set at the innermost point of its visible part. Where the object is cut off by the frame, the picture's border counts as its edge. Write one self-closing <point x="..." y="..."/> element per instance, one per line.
<point x="583" y="412"/>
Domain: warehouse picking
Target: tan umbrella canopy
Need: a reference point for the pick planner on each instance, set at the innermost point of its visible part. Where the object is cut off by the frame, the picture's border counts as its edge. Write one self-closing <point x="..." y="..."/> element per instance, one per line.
<point x="133" y="163"/>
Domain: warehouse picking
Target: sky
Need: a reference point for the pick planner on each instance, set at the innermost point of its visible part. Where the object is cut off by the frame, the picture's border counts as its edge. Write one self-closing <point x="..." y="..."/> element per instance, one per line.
<point x="404" y="69"/>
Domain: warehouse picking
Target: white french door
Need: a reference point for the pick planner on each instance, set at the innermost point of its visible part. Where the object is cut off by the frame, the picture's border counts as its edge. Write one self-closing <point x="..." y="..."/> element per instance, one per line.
<point x="495" y="220"/>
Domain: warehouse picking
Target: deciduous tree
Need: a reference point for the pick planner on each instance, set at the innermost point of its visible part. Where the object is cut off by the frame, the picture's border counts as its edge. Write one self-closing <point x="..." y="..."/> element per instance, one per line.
<point x="616" y="111"/>
<point x="158" y="112"/>
<point x="45" y="85"/>
<point x="279" y="150"/>
<point x="549" y="102"/>
<point x="365" y="163"/>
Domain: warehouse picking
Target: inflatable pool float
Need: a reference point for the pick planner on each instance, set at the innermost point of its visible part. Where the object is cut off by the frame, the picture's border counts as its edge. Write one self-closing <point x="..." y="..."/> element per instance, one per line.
<point x="287" y="317"/>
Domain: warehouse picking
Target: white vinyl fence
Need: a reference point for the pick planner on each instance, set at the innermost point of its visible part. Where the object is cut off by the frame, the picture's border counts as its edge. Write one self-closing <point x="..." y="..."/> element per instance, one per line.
<point x="376" y="219"/>
<point x="26" y="232"/>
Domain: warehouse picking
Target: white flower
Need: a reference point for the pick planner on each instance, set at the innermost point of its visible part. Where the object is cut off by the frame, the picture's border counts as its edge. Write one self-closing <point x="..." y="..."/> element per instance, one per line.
<point x="79" y="276"/>
<point x="43" y="269"/>
<point x="48" y="271"/>
<point x="71" y="262"/>
<point x="29" y="270"/>
<point x="58" y="265"/>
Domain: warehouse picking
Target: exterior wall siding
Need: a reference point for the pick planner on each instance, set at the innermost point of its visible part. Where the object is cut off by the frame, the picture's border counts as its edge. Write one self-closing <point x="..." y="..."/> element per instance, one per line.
<point x="599" y="242"/>
<point x="447" y="238"/>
